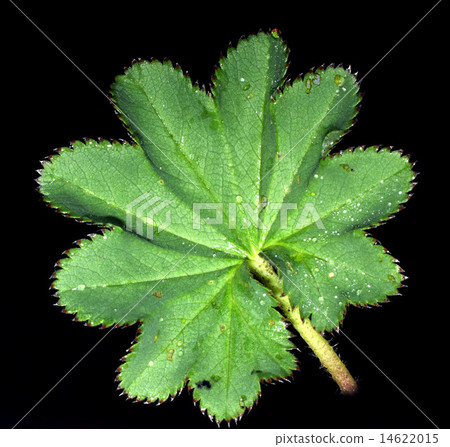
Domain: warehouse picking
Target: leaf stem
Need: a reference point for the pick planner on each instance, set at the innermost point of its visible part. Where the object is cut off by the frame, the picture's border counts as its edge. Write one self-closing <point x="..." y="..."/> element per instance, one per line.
<point x="264" y="271"/>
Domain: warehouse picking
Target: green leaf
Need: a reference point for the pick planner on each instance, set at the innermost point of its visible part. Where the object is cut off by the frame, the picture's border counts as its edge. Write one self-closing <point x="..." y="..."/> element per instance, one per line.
<point x="219" y="340"/>
<point x="310" y="118"/>
<point x="226" y="216"/>
<point x="198" y="323"/>
<point x="354" y="189"/>
<point x="117" y="274"/>
<point x="179" y="129"/>
<point x="115" y="184"/>
<point x="323" y="275"/>
<point x="244" y="87"/>
<point x="175" y="124"/>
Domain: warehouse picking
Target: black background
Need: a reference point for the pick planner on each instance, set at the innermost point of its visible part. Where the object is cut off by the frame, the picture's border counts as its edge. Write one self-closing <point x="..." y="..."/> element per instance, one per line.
<point x="49" y="102"/>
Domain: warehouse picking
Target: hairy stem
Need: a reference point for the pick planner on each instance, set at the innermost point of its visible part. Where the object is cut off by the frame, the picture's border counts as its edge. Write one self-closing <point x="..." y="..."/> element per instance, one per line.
<point x="262" y="269"/>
